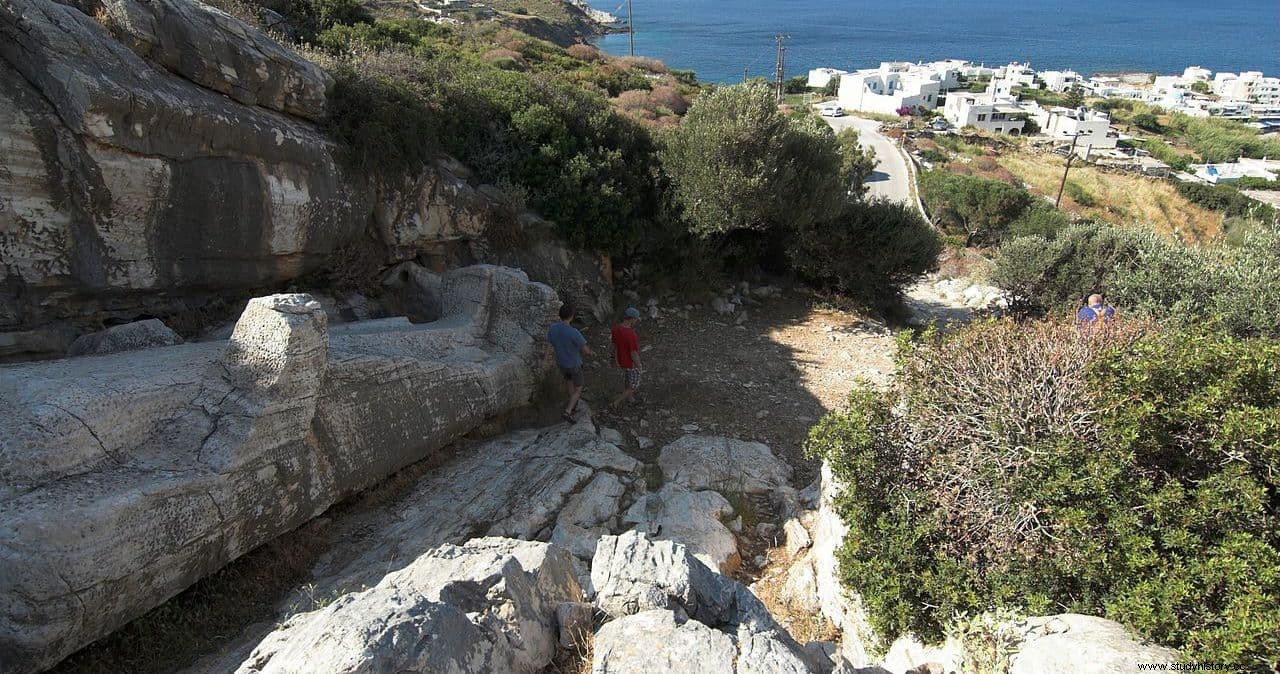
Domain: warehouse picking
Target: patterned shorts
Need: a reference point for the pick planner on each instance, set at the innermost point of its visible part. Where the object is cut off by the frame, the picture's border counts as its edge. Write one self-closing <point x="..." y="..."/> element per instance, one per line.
<point x="631" y="378"/>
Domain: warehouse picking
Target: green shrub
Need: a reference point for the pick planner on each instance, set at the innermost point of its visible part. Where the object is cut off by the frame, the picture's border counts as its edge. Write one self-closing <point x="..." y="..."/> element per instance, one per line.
<point x="1040" y="219"/>
<point x="870" y="252"/>
<point x="587" y="169"/>
<point x="934" y="156"/>
<point x="978" y="208"/>
<point x="1146" y="120"/>
<point x="1236" y="285"/>
<point x="1132" y="475"/>
<point x="1079" y="194"/>
<point x="738" y="164"/>
<point x="1227" y="199"/>
<point x="1221" y="140"/>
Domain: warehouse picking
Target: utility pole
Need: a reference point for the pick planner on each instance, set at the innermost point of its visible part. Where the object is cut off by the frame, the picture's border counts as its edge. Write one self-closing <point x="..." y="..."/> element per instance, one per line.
<point x="744" y="73"/>
<point x="779" y="71"/>
<point x="631" y="28"/>
<point x="1071" y="154"/>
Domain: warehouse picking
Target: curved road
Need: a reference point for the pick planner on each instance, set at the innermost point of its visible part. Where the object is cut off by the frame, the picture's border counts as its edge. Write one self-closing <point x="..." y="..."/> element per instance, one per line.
<point x="891" y="178"/>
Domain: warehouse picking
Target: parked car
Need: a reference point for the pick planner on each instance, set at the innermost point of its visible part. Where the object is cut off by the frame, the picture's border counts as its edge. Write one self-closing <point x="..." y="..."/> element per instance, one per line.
<point x="831" y="111"/>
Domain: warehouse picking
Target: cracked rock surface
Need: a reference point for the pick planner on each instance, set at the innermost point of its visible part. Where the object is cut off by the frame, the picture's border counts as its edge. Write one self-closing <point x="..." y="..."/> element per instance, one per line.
<point x="125" y="478"/>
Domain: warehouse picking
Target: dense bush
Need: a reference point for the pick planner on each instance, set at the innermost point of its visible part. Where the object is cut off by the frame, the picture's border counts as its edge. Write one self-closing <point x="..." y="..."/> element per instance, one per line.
<point x="870" y="252"/>
<point x="1237" y="286"/>
<point x="1227" y="199"/>
<point x="738" y="164"/>
<point x="1219" y="140"/>
<point x="977" y="208"/>
<point x="587" y="169"/>
<point x="1133" y="475"/>
<point x="1040" y="219"/>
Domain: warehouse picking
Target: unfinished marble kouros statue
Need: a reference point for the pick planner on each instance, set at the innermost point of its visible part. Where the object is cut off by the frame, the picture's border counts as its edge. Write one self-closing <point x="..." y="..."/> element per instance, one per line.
<point x="127" y="477"/>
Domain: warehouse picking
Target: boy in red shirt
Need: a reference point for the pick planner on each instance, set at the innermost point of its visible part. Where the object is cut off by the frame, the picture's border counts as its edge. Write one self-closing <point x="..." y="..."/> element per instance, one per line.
<point x="626" y="350"/>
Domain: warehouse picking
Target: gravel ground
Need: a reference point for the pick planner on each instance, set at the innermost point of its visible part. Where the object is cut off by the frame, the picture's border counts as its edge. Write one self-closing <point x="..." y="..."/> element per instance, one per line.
<point x="767" y="377"/>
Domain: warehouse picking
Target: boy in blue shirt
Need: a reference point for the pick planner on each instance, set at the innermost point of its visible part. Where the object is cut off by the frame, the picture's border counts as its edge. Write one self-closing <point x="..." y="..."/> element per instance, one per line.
<point x="570" y="346"/>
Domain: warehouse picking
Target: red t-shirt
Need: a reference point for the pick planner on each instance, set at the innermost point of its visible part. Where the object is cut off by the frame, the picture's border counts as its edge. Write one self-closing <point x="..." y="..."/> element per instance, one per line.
<point x="625" y="343"/>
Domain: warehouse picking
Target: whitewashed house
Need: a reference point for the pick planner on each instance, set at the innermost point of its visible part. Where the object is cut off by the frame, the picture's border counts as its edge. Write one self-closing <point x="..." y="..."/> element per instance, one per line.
<point x="1020" y="74"/>
<point x="1247" y="86"/>
<point x="891" y="87"/>
<point x="1196" y="74"/>
<point x="1060" y="80"/>
<point x="821" y="77"/>
<point x="989" y="111"/>
<point x="1267" y="169"/>
<point x="1090" y="128"/>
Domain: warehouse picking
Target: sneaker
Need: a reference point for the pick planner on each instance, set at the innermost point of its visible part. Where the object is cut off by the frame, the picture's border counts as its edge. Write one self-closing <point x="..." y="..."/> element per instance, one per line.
<point x="568" y="418"/>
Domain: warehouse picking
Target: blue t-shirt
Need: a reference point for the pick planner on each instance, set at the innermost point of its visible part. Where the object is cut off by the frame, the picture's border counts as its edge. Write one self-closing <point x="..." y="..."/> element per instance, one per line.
<point x="1090" y="314"/>
<point x="568" y="343"/>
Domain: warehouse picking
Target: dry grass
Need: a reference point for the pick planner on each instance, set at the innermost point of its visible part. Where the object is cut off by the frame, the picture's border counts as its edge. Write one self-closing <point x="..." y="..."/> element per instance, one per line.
<point x="1119" y="198"/>
<point x="804" y="625"/>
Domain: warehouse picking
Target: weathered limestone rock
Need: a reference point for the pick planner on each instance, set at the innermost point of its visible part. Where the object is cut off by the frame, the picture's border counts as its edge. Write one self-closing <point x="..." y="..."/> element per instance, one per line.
<point x="213" y="49"/>
<point x="797" y="536"/>
<point x="488" y="605"/>
<point x="630" y="573"/>
<point x="691" y="518"/>
<point x="125" y="478"/>
<point x="723" y="464"/>
<point x="1081" y="644"/>
<point x="514" y="485"/>
<point x="653" y="641"/>
<point x="163" y="154"/>
<point x="128" y="337"/>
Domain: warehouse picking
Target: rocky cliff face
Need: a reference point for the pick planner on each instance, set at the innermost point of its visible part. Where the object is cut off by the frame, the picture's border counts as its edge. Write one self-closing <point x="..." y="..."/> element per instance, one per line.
<point x="159" y="153"/>
<point x="125" y="478"/>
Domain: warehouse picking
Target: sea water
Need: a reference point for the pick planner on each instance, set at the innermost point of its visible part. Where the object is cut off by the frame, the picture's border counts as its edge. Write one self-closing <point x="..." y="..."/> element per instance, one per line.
<point x="719" y="39"/>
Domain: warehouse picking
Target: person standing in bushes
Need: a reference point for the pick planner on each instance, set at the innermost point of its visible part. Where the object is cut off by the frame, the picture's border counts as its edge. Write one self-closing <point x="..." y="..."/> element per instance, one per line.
<point x="626" y="352"/>
<point x="1095" y="317"/>
<point x="569" y="346"/>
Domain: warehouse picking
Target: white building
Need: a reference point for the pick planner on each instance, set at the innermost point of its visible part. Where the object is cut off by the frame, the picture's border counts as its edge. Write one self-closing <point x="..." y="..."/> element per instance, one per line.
<point x="987" y="111"/>
<point x="1247" y="86"/>
<point x="1020" y="74"/>
<point x="891" y="87"/>
<point x="1060" y="80"/>
<point x="1267" y="169"/>
<point x="821" y="77"/>
<point x="1196" y="74"/>
<point x="1090" y="128"/>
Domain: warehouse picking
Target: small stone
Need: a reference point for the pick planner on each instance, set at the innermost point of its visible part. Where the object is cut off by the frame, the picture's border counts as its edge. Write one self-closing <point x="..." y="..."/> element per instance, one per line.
<point x="611" y="436"/>
<point x="766" y="529"/>
<point x="642" y="441"/>
<point x="690" y="428"/>
<point x="736" y="525"/>
<point x="760" y="561"/>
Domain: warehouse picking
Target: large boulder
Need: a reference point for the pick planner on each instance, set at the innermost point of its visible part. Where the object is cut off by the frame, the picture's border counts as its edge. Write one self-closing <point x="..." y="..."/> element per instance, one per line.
<point x="631" y="573"/>
<point x="691" y="518"/>
<point x="125" y="478"/>
<point x="489" y="605"/>
<point x="1082" y="644"/>
<point x="128" y="337"/>
<point x="723" y="464"/>
<point x="653" y="641"/>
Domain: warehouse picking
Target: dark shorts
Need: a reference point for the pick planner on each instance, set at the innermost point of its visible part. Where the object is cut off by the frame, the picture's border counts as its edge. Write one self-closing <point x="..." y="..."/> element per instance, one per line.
<point x="631" y="378"/>
<point x="573" y="374"/>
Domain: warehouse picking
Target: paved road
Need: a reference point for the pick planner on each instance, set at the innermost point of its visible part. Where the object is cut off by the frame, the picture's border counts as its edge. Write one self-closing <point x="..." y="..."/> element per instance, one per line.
<point x="890" y="179"/>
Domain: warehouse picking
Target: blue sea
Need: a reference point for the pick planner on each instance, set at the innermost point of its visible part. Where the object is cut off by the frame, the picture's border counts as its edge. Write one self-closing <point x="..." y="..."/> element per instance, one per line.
<point x="720" y="38"/>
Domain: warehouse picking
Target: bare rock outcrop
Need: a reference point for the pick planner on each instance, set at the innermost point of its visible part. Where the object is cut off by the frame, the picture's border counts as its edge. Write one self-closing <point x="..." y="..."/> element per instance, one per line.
<point x="488" y="605"/>
<point x="161" y="154"/>
<point x="127" y="477"/>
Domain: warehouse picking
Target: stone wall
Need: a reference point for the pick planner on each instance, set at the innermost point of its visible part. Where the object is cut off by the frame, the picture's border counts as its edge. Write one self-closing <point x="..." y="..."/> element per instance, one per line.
<point x="127" y="477"/>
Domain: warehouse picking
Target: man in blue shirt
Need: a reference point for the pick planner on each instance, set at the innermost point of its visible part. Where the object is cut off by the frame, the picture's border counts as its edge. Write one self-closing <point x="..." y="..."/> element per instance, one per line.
<point x="569" y="346"/>
<point x="1096" y="317"/>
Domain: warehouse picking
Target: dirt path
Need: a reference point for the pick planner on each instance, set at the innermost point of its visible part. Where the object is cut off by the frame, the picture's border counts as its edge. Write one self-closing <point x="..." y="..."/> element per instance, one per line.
<point x="768" y="377"/>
